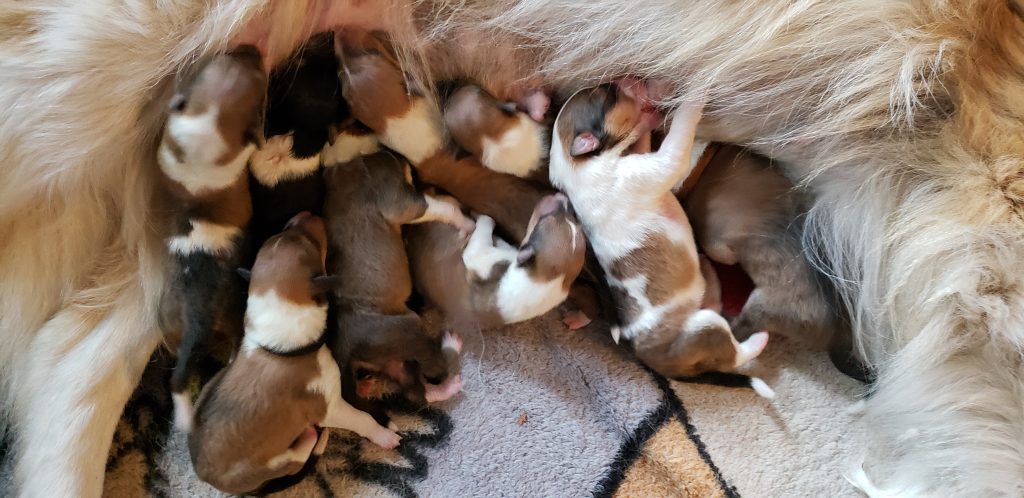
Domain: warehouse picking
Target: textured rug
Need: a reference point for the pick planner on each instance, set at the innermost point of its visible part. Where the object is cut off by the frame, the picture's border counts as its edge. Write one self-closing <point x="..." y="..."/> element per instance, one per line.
<point x="548" y="412"/>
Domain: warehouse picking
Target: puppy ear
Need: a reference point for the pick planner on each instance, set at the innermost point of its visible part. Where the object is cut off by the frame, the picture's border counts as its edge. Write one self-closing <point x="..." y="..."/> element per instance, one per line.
<point x="584" y="143"/>
<point x="525" y="255"/>
<point x="323" y="284"/>
<point x="177" y="103"/>
<point x="509" y="108"/>
<point x="245" y="273"/>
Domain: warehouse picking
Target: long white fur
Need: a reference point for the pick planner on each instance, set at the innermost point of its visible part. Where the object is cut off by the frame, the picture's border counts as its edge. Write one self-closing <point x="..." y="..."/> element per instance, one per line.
<point x="276" y="323"/>
<point x="917" y="207"/>
<point x="518" y="296"/>
<point x="274" y="162"/>
<point x="519" y="151"/>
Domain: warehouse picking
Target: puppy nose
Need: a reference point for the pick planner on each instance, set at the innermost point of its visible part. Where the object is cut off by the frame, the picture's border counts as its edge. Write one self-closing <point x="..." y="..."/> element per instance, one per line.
<point x="299" y="218"/>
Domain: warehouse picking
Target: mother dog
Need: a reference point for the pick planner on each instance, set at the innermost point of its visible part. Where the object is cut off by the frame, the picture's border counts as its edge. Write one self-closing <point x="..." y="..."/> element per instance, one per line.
<point x="904" y="117"/>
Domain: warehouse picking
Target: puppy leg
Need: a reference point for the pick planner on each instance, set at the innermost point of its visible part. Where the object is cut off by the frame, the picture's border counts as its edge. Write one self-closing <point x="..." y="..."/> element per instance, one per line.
<point x="670" y="165"/>
<point x="447" y="210"/>
<point x="83" y="366"/>
<point x="342" y="415"/>
<point x="481" y="254"/>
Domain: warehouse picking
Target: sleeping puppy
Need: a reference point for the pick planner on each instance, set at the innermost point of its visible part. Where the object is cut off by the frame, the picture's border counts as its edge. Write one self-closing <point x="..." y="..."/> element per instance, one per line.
<point x="638" y="230"/>
<point x="410" y="124"/>
<point x="500" y="137"/>
<point x="210" y="133"/>
<point x="258" y="418"/>
<point x="368" y="201"/>
<point x="484" y="282"/>
<point x="745" y="212"/>
<point x="304" y="108"/>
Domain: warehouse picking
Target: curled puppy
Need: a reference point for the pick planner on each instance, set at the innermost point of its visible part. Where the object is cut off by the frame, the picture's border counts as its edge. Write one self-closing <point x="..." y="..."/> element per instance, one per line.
<point x="258" y="419"/>
<point x="483" y="281"/>
<point x="304" y="107"/>
<point x="368" y="201"/>
<point x="745" y="212"/>
<point x="500" y="137"/>
<point x="639" y="232"/>
<point x="207" y="140"/>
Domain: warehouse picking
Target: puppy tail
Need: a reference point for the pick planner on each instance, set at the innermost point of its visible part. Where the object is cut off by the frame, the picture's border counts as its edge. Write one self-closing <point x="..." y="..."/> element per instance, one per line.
<point x="183" y="411"/>
<point x="731" y="379"/>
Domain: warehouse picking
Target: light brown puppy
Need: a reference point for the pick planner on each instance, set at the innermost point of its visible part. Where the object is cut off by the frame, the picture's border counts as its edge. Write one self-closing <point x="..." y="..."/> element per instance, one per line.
<point x="368" y="201"/>
<point x="639" y="232"/>
<point x="500" y="137"/>
<point x="484" y="282"/>
<point x="257" y="419"/>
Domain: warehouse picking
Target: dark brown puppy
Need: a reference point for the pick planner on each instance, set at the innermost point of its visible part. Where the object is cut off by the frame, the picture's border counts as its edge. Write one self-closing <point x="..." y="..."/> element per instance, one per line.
<point x="212" y="123"/>
<point x="257" y="419"/>
<point x="368" y="200"/>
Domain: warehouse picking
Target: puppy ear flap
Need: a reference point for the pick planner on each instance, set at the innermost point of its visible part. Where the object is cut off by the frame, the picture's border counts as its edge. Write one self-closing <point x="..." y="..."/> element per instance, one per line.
<point x="177" y="103"/>
<point x="323" y="284"/>
<point x="245" y="273"/>
<point x="525" y="255"/>
<point x="584" y="143"/>
<point x="509" y="108"/>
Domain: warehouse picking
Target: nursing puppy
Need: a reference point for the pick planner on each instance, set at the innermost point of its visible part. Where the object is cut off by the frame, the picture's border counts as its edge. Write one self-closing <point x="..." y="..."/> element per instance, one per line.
<point x="304" y="109"/>
<point x="745" y="212"/>
<point x="482" y="281"/>
<point x="368" y="201"/>
<point x="258" y="419"/>
<point x="208" y="138"/>
<point x="639" y="232"/>
<point x="500" y="137"/>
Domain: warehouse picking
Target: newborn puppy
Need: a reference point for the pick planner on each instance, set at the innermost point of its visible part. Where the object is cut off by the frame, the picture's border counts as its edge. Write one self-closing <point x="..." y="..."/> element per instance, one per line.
<point x="207" y="140"/>
<point x="501" y="138"/>
<point x="638" y="230"/>
<point x="305" y="106"/>
<point x="484" y="282"/>
<point x="257" y="419"/>
<point x="368" y="200"/>
<point x="745" y="212"/>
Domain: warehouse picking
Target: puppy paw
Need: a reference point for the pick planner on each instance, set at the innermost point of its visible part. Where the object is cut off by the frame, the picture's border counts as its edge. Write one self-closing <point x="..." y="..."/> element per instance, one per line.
<point x="485" y="222"/>
<point x="451" y="340"/>
<point x="386" y="438"/>
<point x="575" y="319"/>
<point x="444" y="391"/>
<point x="466" y="227"/>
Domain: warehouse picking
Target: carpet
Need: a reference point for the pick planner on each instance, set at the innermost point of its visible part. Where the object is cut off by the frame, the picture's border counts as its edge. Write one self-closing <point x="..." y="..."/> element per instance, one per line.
<point x="552" y="413"/>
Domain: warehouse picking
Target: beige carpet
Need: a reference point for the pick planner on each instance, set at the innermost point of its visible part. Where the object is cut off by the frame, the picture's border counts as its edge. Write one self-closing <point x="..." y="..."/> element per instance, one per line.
<point x="547" y="412"/>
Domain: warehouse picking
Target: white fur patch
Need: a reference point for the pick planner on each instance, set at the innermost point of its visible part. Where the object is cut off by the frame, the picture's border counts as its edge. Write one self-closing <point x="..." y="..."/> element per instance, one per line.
<point x="279" y="324"/>
<point x="347" y="147"/>
<point x="416" y="135"/>
<point x="274" y="162"/>
<point x="651" y="315"/>
<point x="521" y="298"/>
<point x="210" y="238"/>
<point x="200" y="139"/>
<point x="762" y="388"/>
<point x="183" y="411"/>
<point x="518" y="151"/>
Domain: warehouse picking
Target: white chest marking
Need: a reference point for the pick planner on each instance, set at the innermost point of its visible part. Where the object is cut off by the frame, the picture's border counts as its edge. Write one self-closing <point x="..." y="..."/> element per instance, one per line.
<point x="274" y="162"/>
<point x="205" y="237"/>
<point x="521" y="298"/>
<point x="277" y="323"/>
<point x="347" y="147"/>
<point x="416" y="135"/>
<point x="518" y="151"/>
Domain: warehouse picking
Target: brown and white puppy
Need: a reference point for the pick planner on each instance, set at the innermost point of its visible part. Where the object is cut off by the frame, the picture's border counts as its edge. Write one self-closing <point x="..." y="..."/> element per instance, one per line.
<point x="639" y="232"/>
<point x="258" y="418"/>
<point x="207" y="140"/>
<point x="745" y="212"/>
<point x="482" y="281"/>
<point x="368" y="201"/>
<point x="500" y="137"/>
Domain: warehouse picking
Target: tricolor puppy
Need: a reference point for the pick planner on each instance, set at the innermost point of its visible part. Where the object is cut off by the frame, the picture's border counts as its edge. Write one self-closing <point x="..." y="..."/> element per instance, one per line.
<point x="482" y="281"/>
<point x="207" y="140"/>
<point x="378" y="96"/>
<point x="745" y="212"/>
<point x="500" y="137"/>
<point x="638" y="230"/>
<point x="368" y="201"/>
<point x="258" y="419"/>
<point x="304" y="108"/>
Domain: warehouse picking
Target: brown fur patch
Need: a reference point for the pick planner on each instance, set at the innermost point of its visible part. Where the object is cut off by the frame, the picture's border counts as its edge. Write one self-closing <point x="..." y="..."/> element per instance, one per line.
<point x="372" y="82"/>
<point x="472" y="114"/>
<point x="602" y="111"/>
<point x="665" y="264"/>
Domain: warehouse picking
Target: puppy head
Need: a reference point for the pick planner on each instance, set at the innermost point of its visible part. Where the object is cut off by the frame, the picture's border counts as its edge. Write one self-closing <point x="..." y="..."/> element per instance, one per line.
<point x="604" y="117"/>
<point x="554" y="245"/>
<point x="372" y="81"/>
<point x="706" y="345"/>
<point x="223" y="96"/>
<point x="292" y="262"/>
<point x="470" y="105"/>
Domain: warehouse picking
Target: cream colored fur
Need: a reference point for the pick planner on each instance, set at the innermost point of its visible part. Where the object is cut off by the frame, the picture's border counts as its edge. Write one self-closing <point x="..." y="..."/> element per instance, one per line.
<point x="904" y="117"/>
